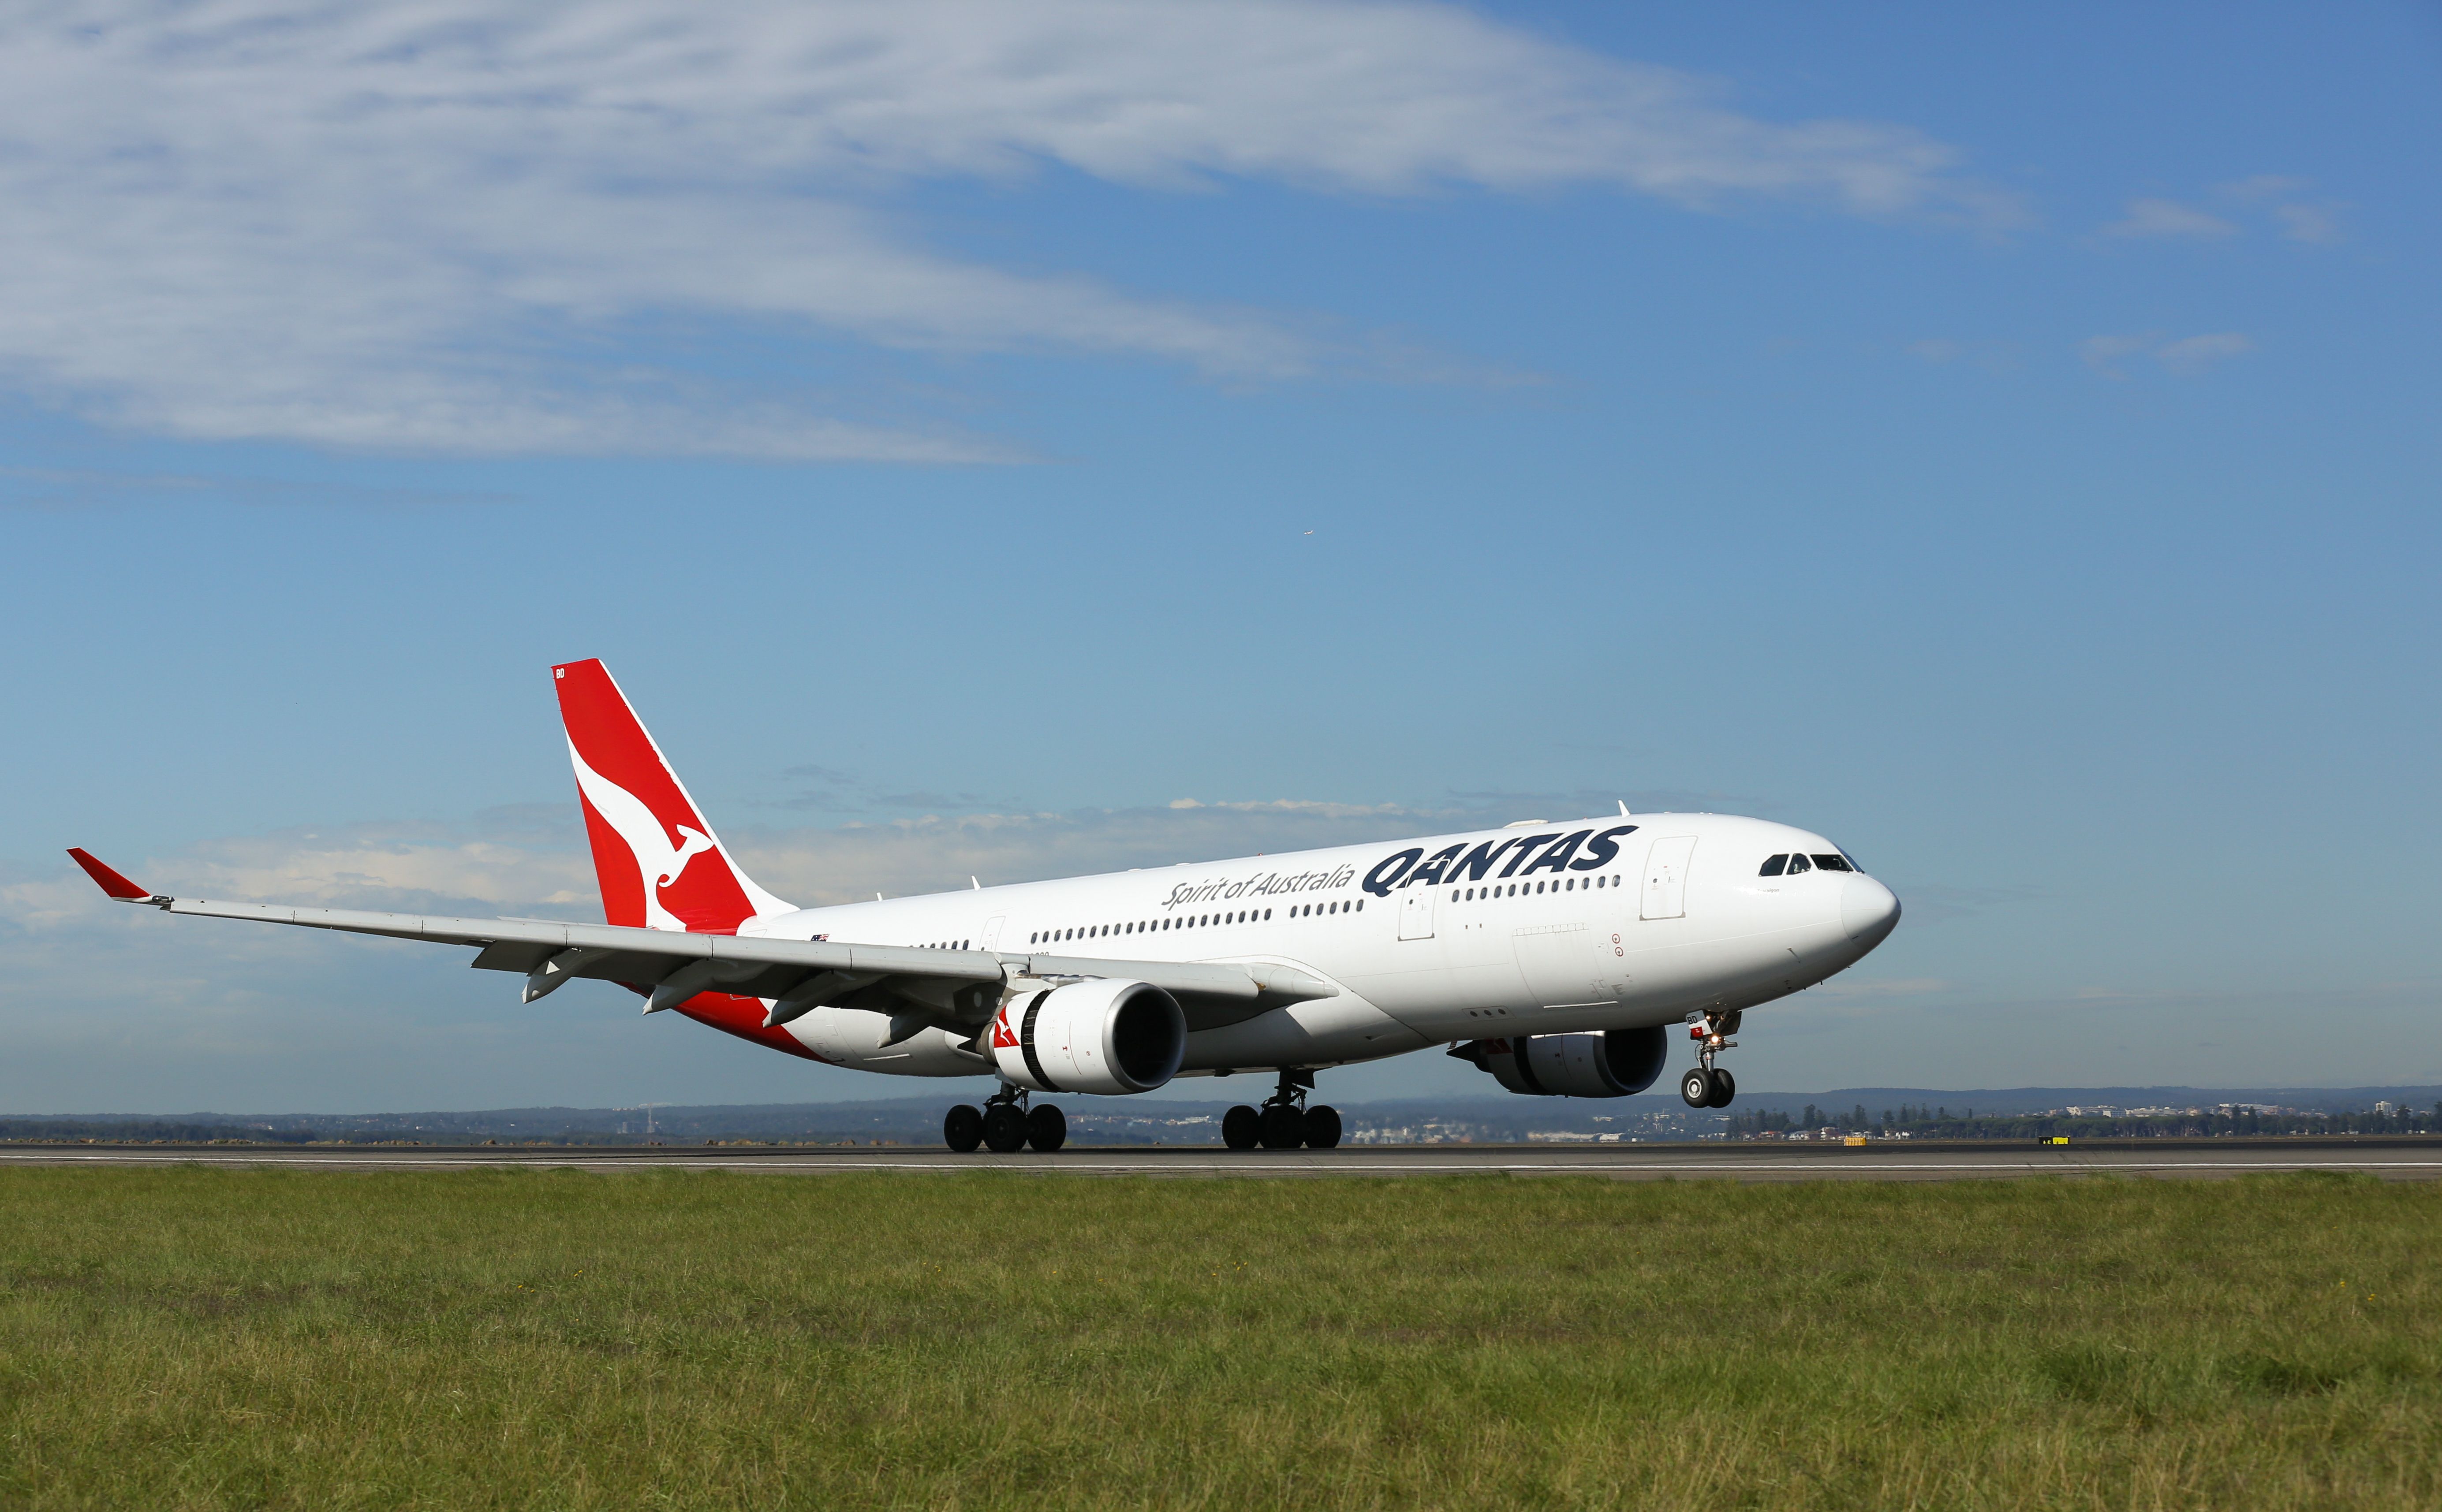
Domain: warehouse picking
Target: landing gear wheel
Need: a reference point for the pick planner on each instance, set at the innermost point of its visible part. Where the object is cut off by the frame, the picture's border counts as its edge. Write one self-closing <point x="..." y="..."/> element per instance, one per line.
<point x="1046" y="1128"/>
<point x="1724" y="1087"/>
<point x="1696" y="1087"/>
<point x="1321" y="1127"/>
<point x="1004" y="1128"/>
<point x="964" y="1128"/>
<point x="1283" y="1126"/>
<point x="1241" y="1128"/>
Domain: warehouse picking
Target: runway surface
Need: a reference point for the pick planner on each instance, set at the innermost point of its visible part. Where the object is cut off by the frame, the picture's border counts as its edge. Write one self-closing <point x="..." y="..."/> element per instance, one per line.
<point x="2407" y="1159"/>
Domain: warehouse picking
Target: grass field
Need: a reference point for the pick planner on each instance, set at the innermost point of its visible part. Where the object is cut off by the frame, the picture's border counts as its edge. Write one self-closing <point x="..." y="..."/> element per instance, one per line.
<point x="193" y="1337"/>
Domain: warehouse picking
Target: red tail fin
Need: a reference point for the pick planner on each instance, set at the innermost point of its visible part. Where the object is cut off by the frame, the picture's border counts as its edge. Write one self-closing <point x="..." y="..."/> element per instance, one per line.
<point x="658" y="862"/>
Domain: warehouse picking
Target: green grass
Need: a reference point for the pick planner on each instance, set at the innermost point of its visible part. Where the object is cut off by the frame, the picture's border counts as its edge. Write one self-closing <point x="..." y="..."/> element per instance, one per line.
<point x="198" y="1338"/>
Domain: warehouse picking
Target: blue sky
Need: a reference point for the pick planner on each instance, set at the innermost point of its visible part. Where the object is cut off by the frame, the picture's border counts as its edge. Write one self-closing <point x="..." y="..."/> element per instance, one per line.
<point x="2004" y="443"/>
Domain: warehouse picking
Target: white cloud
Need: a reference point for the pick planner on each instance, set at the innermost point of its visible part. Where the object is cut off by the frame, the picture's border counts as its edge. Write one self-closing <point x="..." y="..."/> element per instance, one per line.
<point x="422" y="225"/>
<point x="2299" y="220"/>
<point x="2102" y="353"/>
<point x="535" y="861"/>
<point x="2308" y="223"/>
<point x="2185" y="356"/>
<point x="2263" y="187"/>
<point x="2194" y="354"/>
<point x="2166" y="217"/>
<point x="107" y="1005"/>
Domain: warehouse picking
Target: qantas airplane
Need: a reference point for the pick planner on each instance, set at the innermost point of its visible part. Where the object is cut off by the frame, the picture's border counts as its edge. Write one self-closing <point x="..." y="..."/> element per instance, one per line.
<point x="1555" y="956"/>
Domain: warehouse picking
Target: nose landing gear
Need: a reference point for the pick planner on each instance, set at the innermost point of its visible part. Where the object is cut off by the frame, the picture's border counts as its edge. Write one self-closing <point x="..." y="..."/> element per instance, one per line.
<point x="1284" y="1122"/>
<point x="1706" y="1086"/>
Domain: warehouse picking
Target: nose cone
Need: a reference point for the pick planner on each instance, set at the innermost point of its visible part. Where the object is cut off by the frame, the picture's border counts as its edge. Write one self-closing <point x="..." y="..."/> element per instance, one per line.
<point x="1868" y="911"/>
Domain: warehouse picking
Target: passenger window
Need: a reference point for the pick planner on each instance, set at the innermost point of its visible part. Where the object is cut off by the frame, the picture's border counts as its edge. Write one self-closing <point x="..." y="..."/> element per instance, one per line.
<point x="1773" y="866"/>
<point x="1834" y="862"/>
<point x="1797" y="865"/>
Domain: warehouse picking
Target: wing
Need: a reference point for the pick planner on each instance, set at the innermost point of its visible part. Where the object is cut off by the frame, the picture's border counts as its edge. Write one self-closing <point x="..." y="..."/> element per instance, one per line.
<point x="952" y="987"/>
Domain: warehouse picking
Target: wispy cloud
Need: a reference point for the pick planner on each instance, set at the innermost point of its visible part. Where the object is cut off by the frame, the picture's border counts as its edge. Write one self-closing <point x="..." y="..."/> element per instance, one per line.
<point x="84" y="487"/>
<point x="534" y="858"/>
<point x="2186" y="357"/>
<point x="2301" y="219"/>
<point x="2317" y="223"/>
<point x="2193" y="354"/>
<point x="432" y="224"/>
<point x="105" y="1000"/>
<point x="2274" y="195"/>
<point x="2168" y="218"/>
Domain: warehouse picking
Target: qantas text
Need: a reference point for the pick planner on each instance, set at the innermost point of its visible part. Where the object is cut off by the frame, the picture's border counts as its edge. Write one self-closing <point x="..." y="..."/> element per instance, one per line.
<point x="1582" y="851"/>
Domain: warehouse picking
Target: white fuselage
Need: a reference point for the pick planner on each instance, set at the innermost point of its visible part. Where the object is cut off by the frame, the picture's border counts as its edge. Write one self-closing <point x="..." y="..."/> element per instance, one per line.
<point x="1630" y="930"/>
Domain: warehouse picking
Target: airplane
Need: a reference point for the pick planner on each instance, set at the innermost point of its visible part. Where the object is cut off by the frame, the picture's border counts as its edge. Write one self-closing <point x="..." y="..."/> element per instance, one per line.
<point x="1557" y="957"/>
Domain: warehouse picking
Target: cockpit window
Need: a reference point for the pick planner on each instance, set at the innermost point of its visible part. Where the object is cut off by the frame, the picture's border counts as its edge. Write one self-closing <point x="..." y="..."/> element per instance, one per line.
<point x="1797" y="865"/>
<point x="1834" y="862"/>
<point x="1773" y="866"/>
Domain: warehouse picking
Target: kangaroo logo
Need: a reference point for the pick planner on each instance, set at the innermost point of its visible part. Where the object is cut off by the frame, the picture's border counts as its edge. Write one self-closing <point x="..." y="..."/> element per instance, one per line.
<point x="658" y="862"/>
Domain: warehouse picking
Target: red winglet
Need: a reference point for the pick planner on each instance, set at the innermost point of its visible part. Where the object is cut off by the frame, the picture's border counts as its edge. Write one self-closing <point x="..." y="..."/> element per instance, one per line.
<point x="112" y="882"/>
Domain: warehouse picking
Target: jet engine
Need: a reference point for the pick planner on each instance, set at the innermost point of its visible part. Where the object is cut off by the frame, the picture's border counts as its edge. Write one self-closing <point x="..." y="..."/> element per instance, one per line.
<point x="1101" y="1036"/>
<point x="1614" y="1063"/>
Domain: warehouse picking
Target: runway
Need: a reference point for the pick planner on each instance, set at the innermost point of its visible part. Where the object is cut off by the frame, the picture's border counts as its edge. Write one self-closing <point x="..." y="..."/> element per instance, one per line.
<point x="2408" y="1158"/>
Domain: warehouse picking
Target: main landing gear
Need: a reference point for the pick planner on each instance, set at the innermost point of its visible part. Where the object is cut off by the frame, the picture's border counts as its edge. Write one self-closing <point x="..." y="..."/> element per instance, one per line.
<point x="1706" y="1086"/>
<point x="1284" y="1122"/>
<point x="1004" y="1125"/>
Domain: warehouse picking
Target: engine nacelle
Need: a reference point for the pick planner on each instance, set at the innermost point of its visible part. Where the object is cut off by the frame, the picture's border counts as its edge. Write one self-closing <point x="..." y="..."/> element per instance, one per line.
<point x="1104" y="1035"/>
<point x="1614" y="1063"/>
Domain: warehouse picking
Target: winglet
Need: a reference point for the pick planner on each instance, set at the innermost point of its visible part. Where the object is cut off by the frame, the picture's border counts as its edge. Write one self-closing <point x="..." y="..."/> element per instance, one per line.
<point x="112" y="882"/>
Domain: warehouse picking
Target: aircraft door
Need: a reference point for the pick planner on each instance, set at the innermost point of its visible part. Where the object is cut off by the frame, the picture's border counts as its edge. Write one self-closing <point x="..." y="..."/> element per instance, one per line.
<point x="1416" y="914"/>
<point x="1666" y="877"/>
<point x="1562" y="965"/>
<point x="991" y="930"/>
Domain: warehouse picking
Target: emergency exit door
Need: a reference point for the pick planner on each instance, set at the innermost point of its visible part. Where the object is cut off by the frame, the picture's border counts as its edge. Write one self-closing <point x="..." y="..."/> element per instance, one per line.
<point x="1666" y="877"/>
<point x="1416" y="914"/>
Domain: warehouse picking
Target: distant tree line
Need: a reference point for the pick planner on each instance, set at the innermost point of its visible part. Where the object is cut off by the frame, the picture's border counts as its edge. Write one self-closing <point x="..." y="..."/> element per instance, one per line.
<point x="1945" y="1123"/>
<point x="141" y="1131"/>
